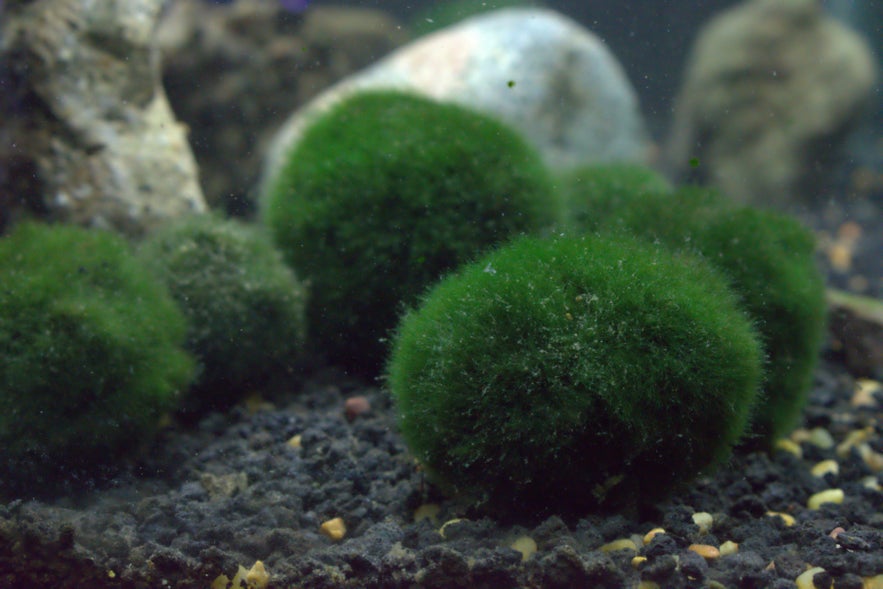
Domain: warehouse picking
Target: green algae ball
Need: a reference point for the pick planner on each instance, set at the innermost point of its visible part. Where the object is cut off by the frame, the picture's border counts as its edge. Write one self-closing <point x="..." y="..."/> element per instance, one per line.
<point x="91" y="355"/>
<point x="385" y="193"/>
<point x="244" y="304"/>
<point x="591" y="191"/>
<point x="769" y="260"/>
<point x="574" y="373"/>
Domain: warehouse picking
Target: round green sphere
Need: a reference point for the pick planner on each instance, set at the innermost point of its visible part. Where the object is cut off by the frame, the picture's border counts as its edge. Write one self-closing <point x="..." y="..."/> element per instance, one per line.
<point x="768" y="258"/>
<point x="91" y="355"/>
<point x="574" y="373"/>
<point x="244" y="305"/>
<point x="382" y="195"/>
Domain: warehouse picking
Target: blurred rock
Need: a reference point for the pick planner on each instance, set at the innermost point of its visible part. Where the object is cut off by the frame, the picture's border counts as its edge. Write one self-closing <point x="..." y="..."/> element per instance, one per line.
<point x="87" y="135"/>
<point x="233" y="72"/>
<point x="535" y="69"/>
<point x="856" y="327"/>
<point x="772" y="90"/>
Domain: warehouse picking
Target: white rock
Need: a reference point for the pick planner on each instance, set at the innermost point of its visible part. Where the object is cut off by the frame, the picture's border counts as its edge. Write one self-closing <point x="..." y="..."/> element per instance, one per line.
<point x="535" y="69"/>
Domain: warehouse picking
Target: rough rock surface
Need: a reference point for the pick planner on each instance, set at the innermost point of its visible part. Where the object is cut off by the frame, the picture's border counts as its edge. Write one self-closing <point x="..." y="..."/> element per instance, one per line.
<point x="234" y="72"/>
<point x="88" y="136"/>
<point x="771" y="91"/>
<point x="534" y="68"/>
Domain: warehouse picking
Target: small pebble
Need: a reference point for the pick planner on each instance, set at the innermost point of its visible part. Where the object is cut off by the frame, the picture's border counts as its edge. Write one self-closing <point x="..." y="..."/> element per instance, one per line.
<point x="729" y="547"/>
<point x="864" y="393"/>
<point x="804" y="581"/>
<point x="638" y="561"/>
<point x="836" y="532"/>
<point x="257" y="577"/>
<point x="450" y="522"/>
<point x="871" y="483"/>
<point x="621" y="544"/>
<point x="648" y="537"/>
<point x="294" y="441"/>
<point x="428" y="511"/>
<point x="874" y="460"/>
<point x="706" y="551"/>
<point x="829" y="496"/>
<point x="334" y="529"/>
<point x="526" y="546"/>
<point x="786" y="517"/>
<point x="704" y="521"/>
<point x="821" y="438"/>
<point x="855" y="438"/>
<point x="790" y="446"/>
<point x="873" y="582"/>
<point x="825" y="467"/>
<point x="356" y="406"/>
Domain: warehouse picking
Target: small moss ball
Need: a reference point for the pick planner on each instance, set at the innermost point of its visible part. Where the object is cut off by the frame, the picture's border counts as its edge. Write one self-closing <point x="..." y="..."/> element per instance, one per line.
<point x="591" y="191"/>
<point x="244" y="304"/>
<point x="769" y="260"/>
<point x="91" y="354"/>
<point x="382" y="195"/>
<point x="567" y="374"/>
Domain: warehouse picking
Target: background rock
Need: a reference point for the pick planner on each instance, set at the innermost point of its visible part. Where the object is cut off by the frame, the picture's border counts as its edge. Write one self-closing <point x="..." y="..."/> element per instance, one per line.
<point x="535" y="69"/>
<point x="772" y="90"/>
<point x="88" y="135"/>
<point x="234" y="72"/>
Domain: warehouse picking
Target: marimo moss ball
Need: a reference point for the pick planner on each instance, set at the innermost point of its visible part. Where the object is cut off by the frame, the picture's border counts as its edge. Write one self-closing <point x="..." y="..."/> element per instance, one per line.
<point x="382" y="195"/>
<point x="568" y="374"/>
<point x="769" y="259"/>
<point x="244" y="304"/>
<point x="592" y="190"/>
<point x="91" y="354"/>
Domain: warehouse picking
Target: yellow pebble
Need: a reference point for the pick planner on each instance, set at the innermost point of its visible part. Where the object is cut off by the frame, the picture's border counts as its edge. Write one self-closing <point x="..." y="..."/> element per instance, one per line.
<point x="648" y="537"/>
<point x="729" y="547"/>
<point x="864" y="393"/>
<point x="257" y="577"/>
<point x="704" y="520"/>
<point x="334" y="529"/>
<point x="428" y="511"/>
<point x="874" y="460"/>
<point x="526" y="546"/>
<point x="871" y="483"/>
<point x="786" y="517"/>
<point x="787" y="445"/>
<point x="706" y="551"/>
<point x="854" y="438"/>
<point x="638" y="561"/>
<point x="873" y="582"/>
<point x="821" y="438"/>
<point x="450" y="522"/>
<point x="825" y="467"/>
<point x="621" y="544"/>
<point x="647" y="585"/>
<point x="804" y="581"/>
<point x="111" y="575"/>
<point x="829" y="496"/>
<point x="221" y="582"/>
<point x="294" y="441"/>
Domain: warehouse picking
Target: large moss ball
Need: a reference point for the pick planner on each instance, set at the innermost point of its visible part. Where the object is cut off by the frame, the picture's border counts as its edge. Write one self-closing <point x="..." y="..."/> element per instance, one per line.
<point x="768" y="258"/>
<point x="91" y="354"/>
<point x="382" y="195"/>
<point x="567" y="374"/>
<point x="244" y="304"/>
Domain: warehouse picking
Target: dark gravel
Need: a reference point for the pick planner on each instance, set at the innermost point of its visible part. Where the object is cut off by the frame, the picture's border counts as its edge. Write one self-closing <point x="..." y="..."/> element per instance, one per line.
<point x="233" y="491"/>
